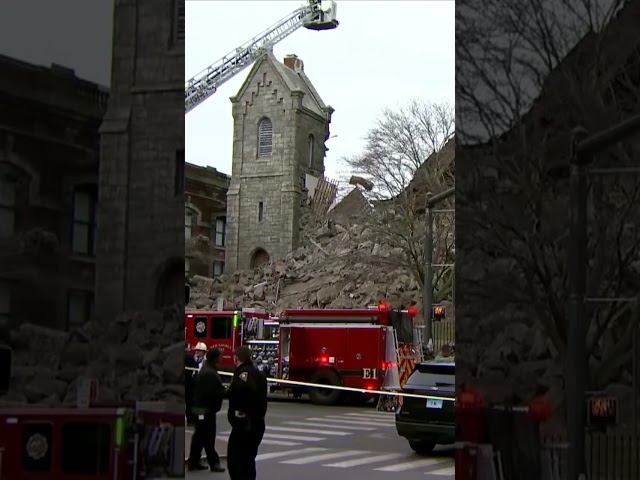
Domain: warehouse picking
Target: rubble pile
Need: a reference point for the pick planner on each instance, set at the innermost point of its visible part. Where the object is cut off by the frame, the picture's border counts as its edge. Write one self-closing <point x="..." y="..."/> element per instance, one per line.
<point x="138" y="356"/>
<point x="339" y="265"/>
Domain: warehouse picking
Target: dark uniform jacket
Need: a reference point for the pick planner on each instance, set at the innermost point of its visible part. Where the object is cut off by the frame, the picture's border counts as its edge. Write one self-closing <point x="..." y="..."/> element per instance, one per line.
<point x="247" y="394"/>
<point x="189" y="362"/>
<point x="208" y="392"/>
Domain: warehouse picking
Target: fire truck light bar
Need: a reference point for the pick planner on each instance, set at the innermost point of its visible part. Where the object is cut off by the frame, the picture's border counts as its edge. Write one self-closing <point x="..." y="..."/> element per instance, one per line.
<point x="331" y="319"/>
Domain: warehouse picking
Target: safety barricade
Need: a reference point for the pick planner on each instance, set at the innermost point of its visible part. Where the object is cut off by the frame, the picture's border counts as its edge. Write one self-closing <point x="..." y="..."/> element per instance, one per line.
<point x="296" y="383"/>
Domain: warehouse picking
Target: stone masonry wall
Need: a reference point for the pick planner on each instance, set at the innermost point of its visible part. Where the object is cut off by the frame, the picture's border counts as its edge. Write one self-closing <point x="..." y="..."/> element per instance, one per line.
<point x="142" y="132"/>
<point x="276" y="181"/>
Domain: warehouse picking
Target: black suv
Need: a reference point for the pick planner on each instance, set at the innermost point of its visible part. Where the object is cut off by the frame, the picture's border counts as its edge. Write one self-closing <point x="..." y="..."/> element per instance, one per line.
<point x="425" y="422"/>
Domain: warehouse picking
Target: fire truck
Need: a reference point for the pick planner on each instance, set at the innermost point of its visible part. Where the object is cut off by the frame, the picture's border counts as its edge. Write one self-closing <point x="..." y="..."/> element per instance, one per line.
<point x="145" y="441"/>
<point x="340" y="347"/>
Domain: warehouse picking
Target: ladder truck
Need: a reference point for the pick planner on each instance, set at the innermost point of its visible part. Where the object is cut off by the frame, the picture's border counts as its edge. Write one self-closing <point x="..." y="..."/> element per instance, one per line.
<point x="315" y="15"/>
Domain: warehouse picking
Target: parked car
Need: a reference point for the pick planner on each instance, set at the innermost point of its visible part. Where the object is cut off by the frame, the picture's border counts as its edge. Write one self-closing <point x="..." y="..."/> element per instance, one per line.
<point x="426" y="423"/>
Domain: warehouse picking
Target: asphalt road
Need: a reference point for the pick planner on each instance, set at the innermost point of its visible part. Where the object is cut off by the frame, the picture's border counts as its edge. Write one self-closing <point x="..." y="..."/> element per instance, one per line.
<point x="342" y="443"/>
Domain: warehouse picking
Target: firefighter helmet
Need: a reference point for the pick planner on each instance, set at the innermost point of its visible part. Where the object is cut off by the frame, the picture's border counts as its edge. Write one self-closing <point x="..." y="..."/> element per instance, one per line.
<point x="201" y="346"/>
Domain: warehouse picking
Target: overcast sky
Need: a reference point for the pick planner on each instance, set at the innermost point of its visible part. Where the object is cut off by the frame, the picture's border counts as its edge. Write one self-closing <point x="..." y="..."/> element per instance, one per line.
<point x="382" y="54"/>
<point x="73" y="33"/>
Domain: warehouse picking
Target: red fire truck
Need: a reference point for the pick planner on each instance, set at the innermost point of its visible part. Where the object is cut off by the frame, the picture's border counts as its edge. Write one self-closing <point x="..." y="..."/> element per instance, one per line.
<point x="141" y="442"/>
<point x="340" y="347"/>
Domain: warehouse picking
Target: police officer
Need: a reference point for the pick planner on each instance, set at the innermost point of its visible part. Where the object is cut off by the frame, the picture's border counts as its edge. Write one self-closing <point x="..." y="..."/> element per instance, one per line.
<point x="247" y="396"/>
<point x="189" y="376"/>
<point x="207" y="401"/>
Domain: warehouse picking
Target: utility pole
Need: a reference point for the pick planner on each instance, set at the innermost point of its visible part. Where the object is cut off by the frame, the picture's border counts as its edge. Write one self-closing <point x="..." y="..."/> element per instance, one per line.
<point x="583" y="152"/>
<point x="577" y="335"/>
<point x="427" y="293"/>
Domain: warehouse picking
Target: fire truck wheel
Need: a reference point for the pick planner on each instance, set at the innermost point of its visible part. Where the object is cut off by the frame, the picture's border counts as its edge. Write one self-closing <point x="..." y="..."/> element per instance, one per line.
<point x="422" y="448"/>
<point x="325" y="396"/>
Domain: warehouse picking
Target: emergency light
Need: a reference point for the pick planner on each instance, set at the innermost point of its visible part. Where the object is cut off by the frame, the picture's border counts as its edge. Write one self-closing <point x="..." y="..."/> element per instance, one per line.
<point x="469" y="399"/>
<point x="383" y="307"/>
<point x="539" y="409"/>
<point x="412" y="311"/>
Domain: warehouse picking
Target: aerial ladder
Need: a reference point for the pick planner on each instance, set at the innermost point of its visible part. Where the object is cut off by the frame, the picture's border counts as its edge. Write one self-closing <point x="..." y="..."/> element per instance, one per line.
<point x="315" y="15"/>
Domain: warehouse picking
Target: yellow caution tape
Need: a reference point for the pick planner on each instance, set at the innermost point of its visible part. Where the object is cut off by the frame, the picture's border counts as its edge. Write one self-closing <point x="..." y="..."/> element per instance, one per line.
<point x="345" y="389"/>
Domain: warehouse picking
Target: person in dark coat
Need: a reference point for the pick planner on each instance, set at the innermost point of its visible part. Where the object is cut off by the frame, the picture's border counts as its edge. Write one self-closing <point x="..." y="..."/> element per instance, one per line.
<point x="247" y="396"/>
<point x="207" y="402"/>
<point x="189" y="381"/>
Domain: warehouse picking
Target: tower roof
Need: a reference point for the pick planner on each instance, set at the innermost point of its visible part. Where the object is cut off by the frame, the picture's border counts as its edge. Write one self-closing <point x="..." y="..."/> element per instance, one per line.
<point x="293" y="78"/>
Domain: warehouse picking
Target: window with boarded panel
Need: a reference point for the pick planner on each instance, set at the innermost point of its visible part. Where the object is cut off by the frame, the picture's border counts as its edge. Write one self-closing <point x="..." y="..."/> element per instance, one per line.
<point x="311" y="146"/>
<point x="265" y="138"/>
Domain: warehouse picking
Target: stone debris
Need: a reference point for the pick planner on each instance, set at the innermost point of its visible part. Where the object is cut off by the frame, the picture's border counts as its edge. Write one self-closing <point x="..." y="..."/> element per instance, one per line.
<point x="339" y="265"/>
<point x="363" y="182"/>
<point x="139" y="356"/>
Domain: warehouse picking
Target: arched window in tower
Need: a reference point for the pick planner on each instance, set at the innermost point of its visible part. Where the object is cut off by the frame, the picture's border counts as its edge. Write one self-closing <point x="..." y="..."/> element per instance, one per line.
<point x="310" y="159"/>
<point x="265" y="138"/>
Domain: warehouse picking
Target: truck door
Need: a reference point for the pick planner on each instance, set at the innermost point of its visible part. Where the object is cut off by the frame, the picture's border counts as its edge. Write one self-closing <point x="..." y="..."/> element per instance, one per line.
<point x="221" y="334"/>
<point x="297" y="352"/>
<point x="363" y="359"/>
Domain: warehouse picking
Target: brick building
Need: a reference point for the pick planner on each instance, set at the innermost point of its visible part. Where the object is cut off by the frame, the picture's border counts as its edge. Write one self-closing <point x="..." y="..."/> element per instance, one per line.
<point x="140" y="247"/>
<point x="48" y="190"/>
<point x="205" y="206"/>
<point x="280" y="128"/>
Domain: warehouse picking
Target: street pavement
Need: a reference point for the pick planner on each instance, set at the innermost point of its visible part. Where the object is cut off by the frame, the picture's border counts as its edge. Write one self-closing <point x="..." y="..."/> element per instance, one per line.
<point x="344" y="443"/>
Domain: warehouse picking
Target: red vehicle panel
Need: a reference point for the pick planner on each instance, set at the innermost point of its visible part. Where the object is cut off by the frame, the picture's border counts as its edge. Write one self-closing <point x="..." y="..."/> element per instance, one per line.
<point x="219" y="329"/>
<point x="216" y="330"/>
<point x="62" y="444"/>
<point x="342" y="347"/>
<point x="92" y="443"/>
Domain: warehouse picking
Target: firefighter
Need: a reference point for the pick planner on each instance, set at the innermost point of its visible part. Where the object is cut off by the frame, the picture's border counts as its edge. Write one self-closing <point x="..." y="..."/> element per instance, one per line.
<point x="199" y="352"/>
<point x="207" y="402"/>
<point x="189" y="362"/>
<point x="247" y="410"/>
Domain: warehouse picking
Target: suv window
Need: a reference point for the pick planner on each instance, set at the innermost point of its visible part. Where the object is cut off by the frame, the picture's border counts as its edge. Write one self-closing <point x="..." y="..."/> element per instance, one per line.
<point x="441" y="376"/>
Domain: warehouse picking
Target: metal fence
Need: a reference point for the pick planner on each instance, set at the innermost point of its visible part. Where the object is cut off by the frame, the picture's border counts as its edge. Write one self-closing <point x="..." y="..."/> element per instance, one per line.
<point x="443" y="332"/>
<point x="609" y="456"/>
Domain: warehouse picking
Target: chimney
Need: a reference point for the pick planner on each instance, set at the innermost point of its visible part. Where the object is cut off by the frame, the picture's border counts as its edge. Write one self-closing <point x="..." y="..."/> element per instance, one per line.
<point x="294" y="63"/>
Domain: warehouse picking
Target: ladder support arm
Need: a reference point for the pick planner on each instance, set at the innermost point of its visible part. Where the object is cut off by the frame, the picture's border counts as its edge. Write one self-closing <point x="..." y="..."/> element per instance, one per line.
<point x="205" y="83"/>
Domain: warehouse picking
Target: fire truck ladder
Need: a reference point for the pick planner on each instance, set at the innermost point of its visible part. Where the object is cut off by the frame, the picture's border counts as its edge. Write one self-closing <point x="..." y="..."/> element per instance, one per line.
<point x="155" y="445"/>
<point x="313" y="16"/>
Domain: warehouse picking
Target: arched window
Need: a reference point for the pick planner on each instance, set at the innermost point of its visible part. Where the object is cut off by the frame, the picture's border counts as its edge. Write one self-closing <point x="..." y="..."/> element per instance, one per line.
<point x="310" y="159"/>
<point x="265" y="138"/>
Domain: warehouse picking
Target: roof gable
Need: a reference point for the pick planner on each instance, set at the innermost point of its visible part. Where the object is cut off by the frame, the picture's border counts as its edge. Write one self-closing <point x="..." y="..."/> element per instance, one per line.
<point x="292" y="80"/>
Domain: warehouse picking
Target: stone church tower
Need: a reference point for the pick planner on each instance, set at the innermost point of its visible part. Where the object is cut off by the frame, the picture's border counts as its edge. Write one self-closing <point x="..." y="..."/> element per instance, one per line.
<point x="140" y="236"/>
<point x="280" y="128"/>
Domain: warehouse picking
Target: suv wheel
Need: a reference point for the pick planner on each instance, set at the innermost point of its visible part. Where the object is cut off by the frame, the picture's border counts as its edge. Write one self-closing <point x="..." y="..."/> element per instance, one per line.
<point x="422" y="447"/>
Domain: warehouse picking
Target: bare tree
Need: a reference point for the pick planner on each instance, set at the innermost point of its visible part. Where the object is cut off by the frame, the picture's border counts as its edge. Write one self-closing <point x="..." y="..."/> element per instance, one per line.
<point x="520" y="94"/>
<point x="409" y="152"/>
